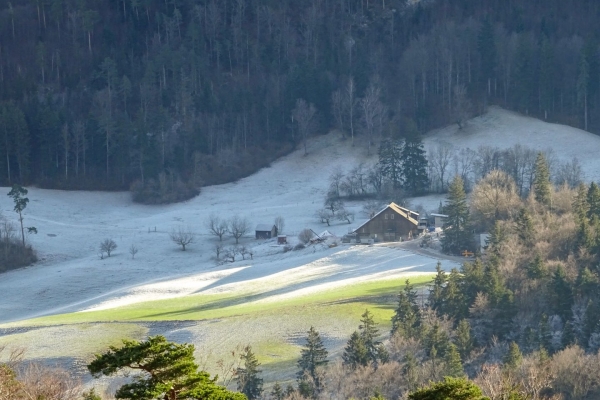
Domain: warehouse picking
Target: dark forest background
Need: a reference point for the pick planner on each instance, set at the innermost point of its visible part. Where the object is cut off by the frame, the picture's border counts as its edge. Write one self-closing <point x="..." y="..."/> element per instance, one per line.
<point x="104" y="94"/>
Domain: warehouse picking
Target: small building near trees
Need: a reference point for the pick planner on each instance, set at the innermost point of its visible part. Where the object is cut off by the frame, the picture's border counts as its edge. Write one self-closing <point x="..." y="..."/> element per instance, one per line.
<point x="393" y="223"/>
<point x="265" y="231"/>
<point x="438" y="220"/>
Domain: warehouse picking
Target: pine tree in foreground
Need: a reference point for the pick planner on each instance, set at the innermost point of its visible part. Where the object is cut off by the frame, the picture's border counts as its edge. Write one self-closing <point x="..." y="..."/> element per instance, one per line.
<point x="407" y="316"/>
<point x="454" y="366"/>
<point x="247" y="377"/>
<point x="312" y="356"/>
<point x="513" y="358"/>
<point x="449" y="389"/>
<point x="172" y="371"/>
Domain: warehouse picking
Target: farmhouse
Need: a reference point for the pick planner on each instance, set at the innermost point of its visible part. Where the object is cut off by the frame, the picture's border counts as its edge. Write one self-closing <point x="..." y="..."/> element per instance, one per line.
<point x="265" y="231"/>
<point x="391" y="224"/>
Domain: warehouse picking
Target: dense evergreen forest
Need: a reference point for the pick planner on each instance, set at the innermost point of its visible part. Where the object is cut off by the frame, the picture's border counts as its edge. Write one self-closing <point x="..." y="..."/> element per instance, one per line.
<point x="173" y="94"/>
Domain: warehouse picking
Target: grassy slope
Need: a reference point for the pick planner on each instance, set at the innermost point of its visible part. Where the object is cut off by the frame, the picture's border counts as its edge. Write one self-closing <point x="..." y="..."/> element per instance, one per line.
<point x="274" y="329"/>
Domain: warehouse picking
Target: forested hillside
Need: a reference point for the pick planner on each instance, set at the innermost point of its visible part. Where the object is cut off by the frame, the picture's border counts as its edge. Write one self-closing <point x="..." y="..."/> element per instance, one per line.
<point x="176" y="93"/>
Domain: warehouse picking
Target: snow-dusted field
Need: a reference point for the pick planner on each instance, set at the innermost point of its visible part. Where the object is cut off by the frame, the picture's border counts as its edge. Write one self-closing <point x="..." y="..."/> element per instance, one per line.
<point x="503" y="129"/>
<point x="71" y="276"/>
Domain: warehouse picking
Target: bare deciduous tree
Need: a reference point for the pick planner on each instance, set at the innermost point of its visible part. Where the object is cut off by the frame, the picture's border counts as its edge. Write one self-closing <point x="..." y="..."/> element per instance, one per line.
<point x="494" y="197"/>
<point x="133" y="250"/>
<point x="371" y="108"/>
<point x="462" y="110"/>
<point x="325" y="215"/>
<point x="279" y="224"/>
<point x="304" y="115"/>
<point x="182" y="236"/>
<point x="335" y="181"/>
<point x="218" y="250"/>
<point x="439" y="159"/>
<point x="238" y="227"/>
<point x="107" y="246"/>
<point x="345" y="215"/>
<point x="216" y="226"/>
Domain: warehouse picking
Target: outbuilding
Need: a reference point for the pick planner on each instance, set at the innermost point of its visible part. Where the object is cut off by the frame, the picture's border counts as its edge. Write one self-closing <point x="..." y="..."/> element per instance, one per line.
<point x="265" y="231"/>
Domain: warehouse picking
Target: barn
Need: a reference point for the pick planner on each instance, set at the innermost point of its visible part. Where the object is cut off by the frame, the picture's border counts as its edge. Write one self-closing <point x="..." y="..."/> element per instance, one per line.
<point x="393" y="223"/>
<point x="265" y="231"/>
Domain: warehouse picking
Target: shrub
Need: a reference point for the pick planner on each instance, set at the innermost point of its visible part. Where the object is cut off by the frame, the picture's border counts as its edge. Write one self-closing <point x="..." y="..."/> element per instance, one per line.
<point x="305" y="235"/>
<point x="299" y="246"/>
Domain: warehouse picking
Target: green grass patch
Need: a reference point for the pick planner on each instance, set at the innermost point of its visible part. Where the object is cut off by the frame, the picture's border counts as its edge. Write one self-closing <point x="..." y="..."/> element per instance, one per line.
<point x="345" y="300"/>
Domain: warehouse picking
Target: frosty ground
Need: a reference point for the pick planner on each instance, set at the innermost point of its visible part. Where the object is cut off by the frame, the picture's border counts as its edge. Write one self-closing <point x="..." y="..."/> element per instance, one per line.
<point x="269" y="301"/>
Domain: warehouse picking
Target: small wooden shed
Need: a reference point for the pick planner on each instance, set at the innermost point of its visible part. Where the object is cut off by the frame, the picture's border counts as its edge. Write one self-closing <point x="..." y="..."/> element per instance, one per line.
<point x="265" y="231"/>
<point x="282" y="239"/>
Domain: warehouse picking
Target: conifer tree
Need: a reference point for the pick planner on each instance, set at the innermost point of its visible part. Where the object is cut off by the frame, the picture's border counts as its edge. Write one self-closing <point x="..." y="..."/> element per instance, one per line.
<point x="390" y="160"/>
<point x="407" y="318"/>
<point x="513" y="358"/>
<point x="436" y="292"/>
<point x="464" y="341"/>
<point x="525" y="230"/>
<point x="355" y="352"/>
<point x="541" y="182"/>
<point x="593" y="200"/>
<point x="414" y="166"/>
<point x="536" y="268"/>
<point x="580" y="203"/>
<point x="277" y="392"/>
<point x="562" y="294"/>
<point x="454" y="303"/>
<point x="454" y="367"/>
<point x="449" y="389"/>
<point x="457" y="230"/>
<point x="312" y="356"/>
<point x="436" y="341"/>
<point x="247" y="377"/>
<point x="368" y="332"/>
<point x="496" y="239"/>
<point x="545" y="335"/>
<point x="409" y="369"/>
<point x="172" y="371"/>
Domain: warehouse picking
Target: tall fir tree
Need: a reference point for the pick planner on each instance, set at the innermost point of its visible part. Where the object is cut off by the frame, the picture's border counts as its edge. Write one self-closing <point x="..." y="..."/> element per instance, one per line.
<point x="454" y="303"/>
<point x="414" y="166"/>
<point x="463" y="340"/>
<point x="312" y="356"/>
<point x="541" y="181"/>
<point x="454" y="366"/>
<point x="562" y="294"/>
<point x="390" y="160"/>
<point x="436" y="298"/>
<point x="247" y="377"/>
<point x="376" y="352"/>
<point x="407" y="316"/>
<point x="525" y="228"/>
<point x="457" y="227"/>
<point x="513" y="358"/>
<point x="355" y="353"/>
<point x="592" y="205"/>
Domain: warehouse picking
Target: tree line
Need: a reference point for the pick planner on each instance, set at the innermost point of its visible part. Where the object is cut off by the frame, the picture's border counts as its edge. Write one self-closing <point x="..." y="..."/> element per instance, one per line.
<point x="173" y="95"/>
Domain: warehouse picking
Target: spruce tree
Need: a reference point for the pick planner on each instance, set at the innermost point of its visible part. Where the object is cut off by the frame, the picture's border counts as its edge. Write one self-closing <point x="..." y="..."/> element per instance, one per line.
<point x="247" y="377"/>
<point x="536" y="268"/>
<point x="312" y="356"/>
<point x="513" y="358"/>
<point x="407" y="318"/>
<point x="593" y="200"/>
<point x="545" y="335"/>
<point x="495" y="240"/>
<point x="390" y="160"/>
<point x="580" y="203"/>
<point x="409" y="369"/>
<point x="568" y="335"/>
<point x="457" y="230"/>
<point x="454" y="303"/>
<point x="277" y="392"/>
<point x="355" y="353"/>
<point x="562" y="294"/>
<point x="435" y="299"/>
<point x="525" y="229"/>
<point x="454" y="367"/>
<point x="414" y="166"/>
<point x="463" y="340"/>
<point x="541" y="182"/>
<point x="368" y="333"/>
<point x="437" y="339"/>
